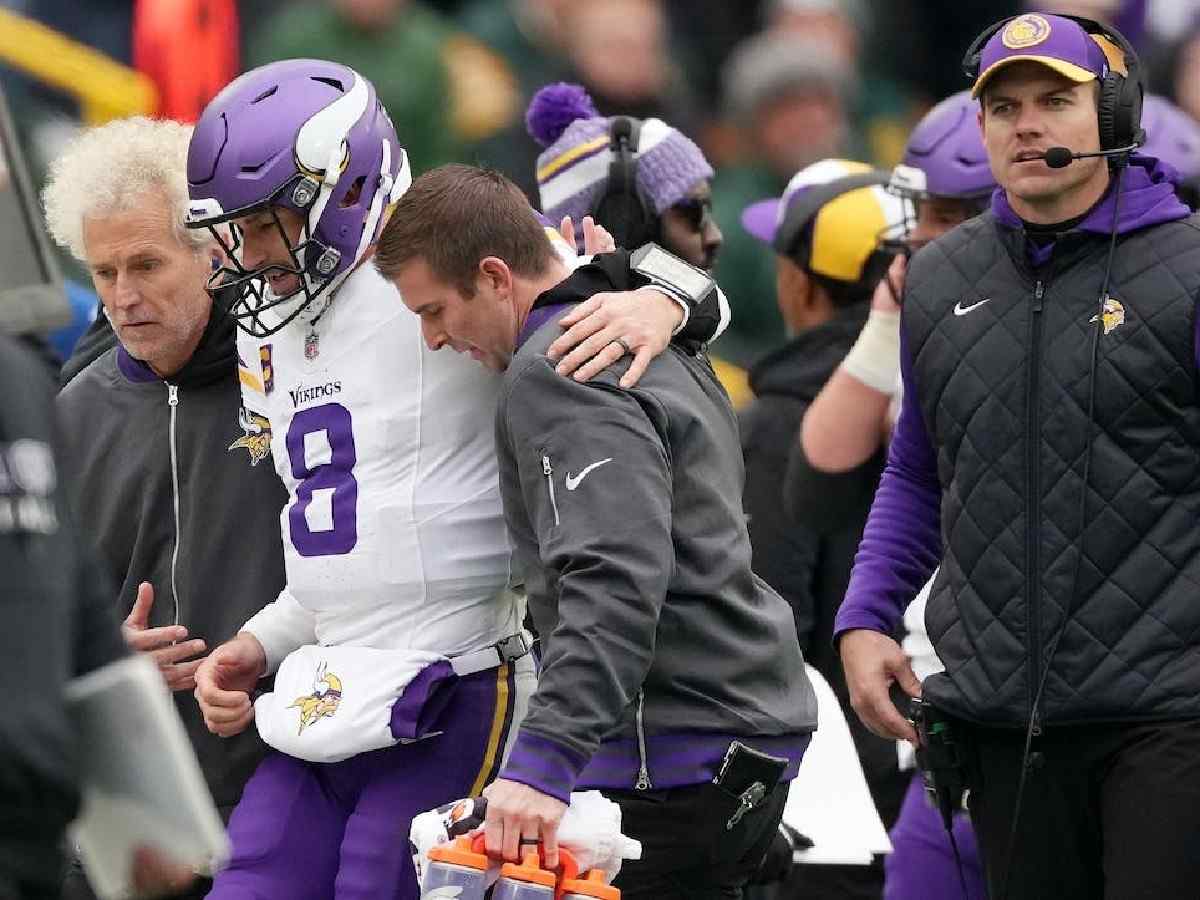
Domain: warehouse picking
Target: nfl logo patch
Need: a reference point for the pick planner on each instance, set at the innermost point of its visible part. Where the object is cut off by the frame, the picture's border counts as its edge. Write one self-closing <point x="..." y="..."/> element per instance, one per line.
<point x="312" y="345"/>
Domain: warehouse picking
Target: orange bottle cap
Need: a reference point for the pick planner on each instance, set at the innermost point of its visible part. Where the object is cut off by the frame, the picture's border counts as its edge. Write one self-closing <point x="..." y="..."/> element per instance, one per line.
<point x="460" y="853"/>
<point x="568" y="869"/>
<point x="591" y="885"/>
<point x="529" y="870"/>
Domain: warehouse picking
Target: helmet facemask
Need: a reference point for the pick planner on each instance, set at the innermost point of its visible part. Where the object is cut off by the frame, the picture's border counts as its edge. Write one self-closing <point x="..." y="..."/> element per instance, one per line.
<point x="246" y="294"/>
<point x="907" y="184"/>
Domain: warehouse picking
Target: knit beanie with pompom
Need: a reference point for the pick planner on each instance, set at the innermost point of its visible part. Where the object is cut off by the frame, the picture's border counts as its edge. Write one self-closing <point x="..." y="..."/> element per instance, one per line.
<point x="573" y="168"/>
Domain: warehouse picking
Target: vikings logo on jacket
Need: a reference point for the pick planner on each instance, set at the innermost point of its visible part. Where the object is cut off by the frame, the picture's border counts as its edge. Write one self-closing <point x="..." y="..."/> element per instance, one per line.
<point x="1114" y="315"/>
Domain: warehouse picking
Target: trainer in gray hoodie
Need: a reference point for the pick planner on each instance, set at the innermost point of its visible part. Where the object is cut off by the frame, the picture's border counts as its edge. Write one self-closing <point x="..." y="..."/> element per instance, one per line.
<point x="624" y="505"/>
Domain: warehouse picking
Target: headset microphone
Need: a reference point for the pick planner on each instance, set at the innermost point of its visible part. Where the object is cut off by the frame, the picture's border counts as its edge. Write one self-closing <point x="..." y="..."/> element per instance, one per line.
<point x="1060" y="157"/>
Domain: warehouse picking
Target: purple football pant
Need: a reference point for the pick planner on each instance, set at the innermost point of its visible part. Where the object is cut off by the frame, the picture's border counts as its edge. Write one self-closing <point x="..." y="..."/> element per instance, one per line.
<point x="921" y="865"/>
<point x="315" y="831"/>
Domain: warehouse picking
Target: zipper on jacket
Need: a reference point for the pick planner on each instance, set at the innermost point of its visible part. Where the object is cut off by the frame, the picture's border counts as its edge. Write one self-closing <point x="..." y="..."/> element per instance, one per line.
<point x="548" y="471"/>
<point x="643" y="782"/>
<point x="173" y="402"/>
<point x="1032" y="500"/>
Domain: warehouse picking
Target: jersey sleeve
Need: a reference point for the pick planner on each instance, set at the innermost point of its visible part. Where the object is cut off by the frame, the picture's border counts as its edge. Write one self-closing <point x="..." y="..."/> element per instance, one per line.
<point x="283" y="625"/>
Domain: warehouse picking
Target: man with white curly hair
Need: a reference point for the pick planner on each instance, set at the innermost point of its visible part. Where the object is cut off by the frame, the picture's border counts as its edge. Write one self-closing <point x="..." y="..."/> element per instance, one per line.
<point x="185" y="522"/>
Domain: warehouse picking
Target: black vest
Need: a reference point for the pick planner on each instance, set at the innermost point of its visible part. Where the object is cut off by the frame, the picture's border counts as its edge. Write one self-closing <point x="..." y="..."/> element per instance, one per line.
<point x="1003" y="386"/>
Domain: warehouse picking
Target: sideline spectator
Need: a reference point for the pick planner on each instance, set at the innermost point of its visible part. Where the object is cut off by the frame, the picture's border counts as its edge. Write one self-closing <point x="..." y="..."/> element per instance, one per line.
<point x="825" y="231"/>
<point x="791" y="100"/>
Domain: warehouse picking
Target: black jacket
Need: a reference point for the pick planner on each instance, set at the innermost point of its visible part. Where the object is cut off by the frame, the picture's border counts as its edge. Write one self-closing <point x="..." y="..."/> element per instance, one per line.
<point x="809" y="563"/>
<point x="1004" y="395"/>
<point x="57" y="623"/>
<point x="216" y="558"/>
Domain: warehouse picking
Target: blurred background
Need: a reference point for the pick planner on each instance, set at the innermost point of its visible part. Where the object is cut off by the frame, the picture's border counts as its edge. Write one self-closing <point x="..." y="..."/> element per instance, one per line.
<point x="764" y="86"/>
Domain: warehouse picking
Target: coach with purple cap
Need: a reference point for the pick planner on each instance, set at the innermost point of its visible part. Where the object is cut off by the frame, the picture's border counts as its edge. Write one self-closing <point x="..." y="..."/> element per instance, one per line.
<point x="1046" y="456"/>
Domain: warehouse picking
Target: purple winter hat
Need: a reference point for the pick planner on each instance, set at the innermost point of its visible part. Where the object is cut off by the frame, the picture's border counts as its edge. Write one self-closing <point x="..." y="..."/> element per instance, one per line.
<point x="574" y="166"/>
<point x="1056" y="42"/>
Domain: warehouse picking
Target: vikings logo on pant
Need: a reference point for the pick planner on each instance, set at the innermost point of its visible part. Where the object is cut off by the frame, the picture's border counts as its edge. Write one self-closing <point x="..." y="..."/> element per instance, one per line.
<point x="322" y="702"/>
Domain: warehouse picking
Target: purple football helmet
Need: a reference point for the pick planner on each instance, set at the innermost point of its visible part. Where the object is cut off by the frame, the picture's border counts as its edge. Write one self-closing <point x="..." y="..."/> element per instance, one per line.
<point x="305" y="134"/>
<point x="944" y="158"/>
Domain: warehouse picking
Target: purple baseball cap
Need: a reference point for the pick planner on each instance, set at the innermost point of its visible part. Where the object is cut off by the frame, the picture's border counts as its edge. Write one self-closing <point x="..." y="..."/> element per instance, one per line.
<point x="1056" y="42"/>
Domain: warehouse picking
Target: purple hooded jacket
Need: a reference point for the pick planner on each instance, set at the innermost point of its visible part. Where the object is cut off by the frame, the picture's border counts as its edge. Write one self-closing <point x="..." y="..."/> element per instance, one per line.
<point x="902" y="542"/>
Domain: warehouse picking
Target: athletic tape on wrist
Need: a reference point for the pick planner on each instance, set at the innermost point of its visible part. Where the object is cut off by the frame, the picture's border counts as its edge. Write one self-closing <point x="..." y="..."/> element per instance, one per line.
<point x="875" y="357"/>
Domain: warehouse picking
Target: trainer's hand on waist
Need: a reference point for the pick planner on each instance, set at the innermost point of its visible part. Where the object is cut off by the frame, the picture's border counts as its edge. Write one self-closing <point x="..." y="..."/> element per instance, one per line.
<point x="604" y="327"/>
<point x="873" y="661"/>
<point x="516" y="811"/>
<point x="166" y="645"/>
<point x="224" y="682"/>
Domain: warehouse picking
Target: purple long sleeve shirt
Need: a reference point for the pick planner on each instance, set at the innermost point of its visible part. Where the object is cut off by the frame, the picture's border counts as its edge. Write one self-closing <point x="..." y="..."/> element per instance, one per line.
<point x="902" y="542"/>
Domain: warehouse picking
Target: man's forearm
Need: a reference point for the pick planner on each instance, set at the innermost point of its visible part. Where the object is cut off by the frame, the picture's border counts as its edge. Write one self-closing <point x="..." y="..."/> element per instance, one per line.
<point x="845" y="424"/>
<point x="900" y="549"/>
<point x="902" y="543"/>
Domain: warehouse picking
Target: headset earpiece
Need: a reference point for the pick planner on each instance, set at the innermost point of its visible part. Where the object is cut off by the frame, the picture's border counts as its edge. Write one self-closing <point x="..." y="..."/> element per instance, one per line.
<point x="622" y="209"/>
<point x="1120" y="108"/>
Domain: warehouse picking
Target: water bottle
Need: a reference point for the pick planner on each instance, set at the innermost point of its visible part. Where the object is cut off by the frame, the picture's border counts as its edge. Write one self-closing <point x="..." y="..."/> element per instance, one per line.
<point x="590" y="887"/>
<point x="455" y="870"/>
<point x="526" y="880"/>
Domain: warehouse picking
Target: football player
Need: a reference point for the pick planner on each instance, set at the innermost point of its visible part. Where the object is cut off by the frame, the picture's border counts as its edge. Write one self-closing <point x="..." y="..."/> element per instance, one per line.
<point x="399" y="658"/>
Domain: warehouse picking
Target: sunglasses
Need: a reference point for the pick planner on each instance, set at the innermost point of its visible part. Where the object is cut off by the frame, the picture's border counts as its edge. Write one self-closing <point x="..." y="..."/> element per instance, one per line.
<point x="695" y="211"/>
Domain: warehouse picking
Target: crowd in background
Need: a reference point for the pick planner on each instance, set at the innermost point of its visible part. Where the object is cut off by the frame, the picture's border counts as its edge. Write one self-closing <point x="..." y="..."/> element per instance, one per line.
<point x="765" y="87"/>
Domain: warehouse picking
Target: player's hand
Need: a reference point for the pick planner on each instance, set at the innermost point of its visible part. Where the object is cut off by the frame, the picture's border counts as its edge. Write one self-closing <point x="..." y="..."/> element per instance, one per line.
<point x="872" y="662"/>
<point x="517" y="814"/>
<point x="224" y="683"/>
<point x="643" y="319"/>
<point x="596" y="238"/>
<point x="886" y="297"/>
<point x="156" y="875"/>
<point x="166" y="645"/>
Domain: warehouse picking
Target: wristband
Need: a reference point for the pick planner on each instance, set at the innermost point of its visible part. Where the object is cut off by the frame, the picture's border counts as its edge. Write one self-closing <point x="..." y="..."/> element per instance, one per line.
<point x="875" y="357"/>
<point x="662" y="268"/>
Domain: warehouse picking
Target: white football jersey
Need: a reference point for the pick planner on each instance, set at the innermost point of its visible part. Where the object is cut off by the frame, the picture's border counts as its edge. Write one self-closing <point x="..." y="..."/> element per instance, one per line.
<point x="393" y="534"/>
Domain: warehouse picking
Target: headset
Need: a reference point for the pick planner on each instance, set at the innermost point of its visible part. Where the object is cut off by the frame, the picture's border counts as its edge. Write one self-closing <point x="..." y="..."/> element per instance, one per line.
<point x="1120" y="104"/>
<point x="621" y="208"/>
<point x="1119" y="111"/>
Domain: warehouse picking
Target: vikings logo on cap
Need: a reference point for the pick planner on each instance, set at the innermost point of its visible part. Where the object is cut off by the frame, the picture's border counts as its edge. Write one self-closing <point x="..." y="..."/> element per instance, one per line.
<point x="1025" y="31"/>
<point x="1114" y="315"/>
<point x="322" y="702"/>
